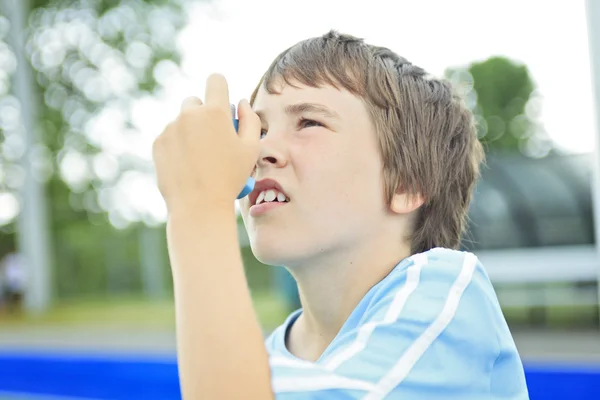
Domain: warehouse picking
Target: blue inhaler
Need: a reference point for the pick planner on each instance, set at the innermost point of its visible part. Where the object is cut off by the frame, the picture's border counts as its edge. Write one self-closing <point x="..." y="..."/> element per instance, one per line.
<point x="250" y="182"/>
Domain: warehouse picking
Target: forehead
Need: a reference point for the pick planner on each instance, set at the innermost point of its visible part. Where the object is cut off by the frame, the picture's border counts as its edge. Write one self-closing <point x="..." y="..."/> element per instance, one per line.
<point x="283" y="95"/>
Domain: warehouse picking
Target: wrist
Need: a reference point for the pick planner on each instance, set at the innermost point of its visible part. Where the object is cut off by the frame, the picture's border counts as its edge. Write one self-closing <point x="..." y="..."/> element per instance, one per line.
<point x="201" y="212"/>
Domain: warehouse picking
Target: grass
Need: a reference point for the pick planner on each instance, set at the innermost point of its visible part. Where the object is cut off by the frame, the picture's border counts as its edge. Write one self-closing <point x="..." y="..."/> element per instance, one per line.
<point x="553" y="317"/>
<point x="132" y="311"/>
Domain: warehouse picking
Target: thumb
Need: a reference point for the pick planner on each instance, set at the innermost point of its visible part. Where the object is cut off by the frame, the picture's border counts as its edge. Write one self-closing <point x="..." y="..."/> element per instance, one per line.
<point x="249" y="125"/>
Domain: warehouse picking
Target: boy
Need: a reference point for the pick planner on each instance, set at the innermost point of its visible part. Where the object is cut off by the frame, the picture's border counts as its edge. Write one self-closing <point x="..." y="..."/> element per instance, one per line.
<point x="364" y="176"/>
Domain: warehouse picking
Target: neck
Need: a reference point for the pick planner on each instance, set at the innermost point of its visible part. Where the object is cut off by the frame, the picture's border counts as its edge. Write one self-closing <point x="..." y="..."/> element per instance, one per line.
<point x="331" y="287"/>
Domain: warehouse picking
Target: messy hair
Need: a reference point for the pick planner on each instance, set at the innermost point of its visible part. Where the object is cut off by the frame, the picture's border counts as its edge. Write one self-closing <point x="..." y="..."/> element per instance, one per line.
<point x="427" y="135"/>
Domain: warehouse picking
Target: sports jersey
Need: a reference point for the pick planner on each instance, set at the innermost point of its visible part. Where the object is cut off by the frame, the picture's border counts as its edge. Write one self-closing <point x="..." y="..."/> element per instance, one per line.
<point x="431" y="329"/>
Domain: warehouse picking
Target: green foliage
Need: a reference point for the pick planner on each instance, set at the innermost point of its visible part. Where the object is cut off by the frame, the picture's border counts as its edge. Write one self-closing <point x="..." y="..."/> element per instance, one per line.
<point x="94" y="257"/>
<point x="89" y="56"/>
<point x="501" y="94"/>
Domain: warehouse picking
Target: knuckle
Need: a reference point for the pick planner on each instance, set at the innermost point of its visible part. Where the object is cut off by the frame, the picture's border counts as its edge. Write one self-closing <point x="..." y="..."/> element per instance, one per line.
<point x="187" y="114"/>
<point x="192" y="101"/>
<point x="214" y="110"/>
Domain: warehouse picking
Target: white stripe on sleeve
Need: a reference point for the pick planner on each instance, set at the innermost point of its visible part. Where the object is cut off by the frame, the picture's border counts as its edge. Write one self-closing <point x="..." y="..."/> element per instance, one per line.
<point x="403" y="367"/>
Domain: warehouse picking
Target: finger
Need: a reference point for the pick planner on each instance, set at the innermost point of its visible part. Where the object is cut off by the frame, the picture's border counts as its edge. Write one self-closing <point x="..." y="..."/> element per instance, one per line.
<point x="249" y="125"/>
<point x="217" y="91"/>
<point x="190" y="102"/>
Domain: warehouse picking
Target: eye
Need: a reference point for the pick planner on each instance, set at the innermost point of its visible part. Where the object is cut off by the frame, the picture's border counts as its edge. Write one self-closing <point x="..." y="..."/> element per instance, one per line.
<point x="263" y="133"/>
<point x="308" y="123"/>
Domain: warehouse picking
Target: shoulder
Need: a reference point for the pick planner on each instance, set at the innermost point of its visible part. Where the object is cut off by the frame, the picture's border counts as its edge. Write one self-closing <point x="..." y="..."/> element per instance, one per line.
<point x="437" y="284"/>
<point x="434" y="307"/>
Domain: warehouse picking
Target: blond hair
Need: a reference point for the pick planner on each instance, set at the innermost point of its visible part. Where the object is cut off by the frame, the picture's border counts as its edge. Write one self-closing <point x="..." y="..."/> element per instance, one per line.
<point x="427" y="135"/>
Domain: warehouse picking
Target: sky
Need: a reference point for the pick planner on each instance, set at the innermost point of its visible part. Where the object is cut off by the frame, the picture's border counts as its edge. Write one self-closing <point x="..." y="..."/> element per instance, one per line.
<point x="240" y="38"/>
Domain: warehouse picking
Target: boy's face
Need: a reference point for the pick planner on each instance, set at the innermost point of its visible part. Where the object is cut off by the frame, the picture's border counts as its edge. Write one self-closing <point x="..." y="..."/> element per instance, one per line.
<point x="328" y="164"/>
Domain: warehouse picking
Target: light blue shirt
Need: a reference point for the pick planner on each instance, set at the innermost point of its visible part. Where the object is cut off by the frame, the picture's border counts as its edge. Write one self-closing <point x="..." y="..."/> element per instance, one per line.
<point x="432" y="329"/>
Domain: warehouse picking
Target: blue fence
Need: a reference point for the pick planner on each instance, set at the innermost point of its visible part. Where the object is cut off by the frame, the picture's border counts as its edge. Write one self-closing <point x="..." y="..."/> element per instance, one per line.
<point x="118" y="377"/>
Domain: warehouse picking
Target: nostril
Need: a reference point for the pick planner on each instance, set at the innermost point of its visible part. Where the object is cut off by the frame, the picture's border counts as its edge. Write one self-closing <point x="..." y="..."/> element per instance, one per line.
<point x="271" y="160"/>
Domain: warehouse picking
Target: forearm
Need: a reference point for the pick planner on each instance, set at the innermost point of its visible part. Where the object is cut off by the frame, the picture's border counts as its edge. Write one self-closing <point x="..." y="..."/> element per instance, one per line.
<point x="220" y="344"/>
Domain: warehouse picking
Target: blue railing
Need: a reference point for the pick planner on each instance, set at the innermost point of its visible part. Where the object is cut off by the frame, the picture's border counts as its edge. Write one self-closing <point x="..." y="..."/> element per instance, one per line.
<point x="120" y="377"/>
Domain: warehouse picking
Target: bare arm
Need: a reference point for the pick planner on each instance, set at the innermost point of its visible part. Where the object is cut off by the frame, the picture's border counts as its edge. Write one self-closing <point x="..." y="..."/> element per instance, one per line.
<point x="219" y="341"/>
<point x="201" y="164"/>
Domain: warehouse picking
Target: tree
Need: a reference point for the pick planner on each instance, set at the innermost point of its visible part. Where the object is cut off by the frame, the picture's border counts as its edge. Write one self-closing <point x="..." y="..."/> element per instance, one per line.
<point x="92" y="60"/>
<point x="502" y="95"/>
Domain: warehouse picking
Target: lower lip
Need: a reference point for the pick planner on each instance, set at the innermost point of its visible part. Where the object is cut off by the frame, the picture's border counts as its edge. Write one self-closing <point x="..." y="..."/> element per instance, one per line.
<point x="263" y="208"/>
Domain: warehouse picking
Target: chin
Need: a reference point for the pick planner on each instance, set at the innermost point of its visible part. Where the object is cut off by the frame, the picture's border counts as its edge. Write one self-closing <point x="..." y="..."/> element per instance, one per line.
<point x="278" y="250"/>
<point x="270" y="252"/>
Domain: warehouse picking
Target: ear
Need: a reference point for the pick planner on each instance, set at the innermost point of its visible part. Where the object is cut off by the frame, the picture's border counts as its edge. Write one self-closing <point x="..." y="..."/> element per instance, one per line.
<point x="406" y="203"/>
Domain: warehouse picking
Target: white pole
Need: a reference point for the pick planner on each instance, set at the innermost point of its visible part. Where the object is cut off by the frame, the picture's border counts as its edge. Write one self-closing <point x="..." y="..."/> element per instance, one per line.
<point x="593" y="22"/>
<point x="32" y="224"/>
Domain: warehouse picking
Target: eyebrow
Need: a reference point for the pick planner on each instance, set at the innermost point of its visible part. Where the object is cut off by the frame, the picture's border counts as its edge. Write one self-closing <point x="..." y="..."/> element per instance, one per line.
<point x="295" y="109"/>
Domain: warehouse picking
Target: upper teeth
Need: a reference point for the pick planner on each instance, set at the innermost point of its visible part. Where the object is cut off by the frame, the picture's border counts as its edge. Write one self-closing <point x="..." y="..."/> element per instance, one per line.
<point x="271" y="195"/>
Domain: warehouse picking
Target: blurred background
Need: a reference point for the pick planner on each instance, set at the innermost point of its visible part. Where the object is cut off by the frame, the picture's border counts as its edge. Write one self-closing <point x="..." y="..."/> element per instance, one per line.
<point x="86" y="307"/>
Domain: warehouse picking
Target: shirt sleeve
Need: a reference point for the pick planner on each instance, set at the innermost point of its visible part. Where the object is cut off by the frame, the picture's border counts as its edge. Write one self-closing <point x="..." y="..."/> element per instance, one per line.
<point x="434" y="330"/>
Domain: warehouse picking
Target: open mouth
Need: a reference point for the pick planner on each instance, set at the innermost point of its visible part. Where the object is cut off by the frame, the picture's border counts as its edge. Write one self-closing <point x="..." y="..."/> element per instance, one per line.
<point x="266" y="196"/>
<point x="266" y="201"/>
<point x="271" y="196"/>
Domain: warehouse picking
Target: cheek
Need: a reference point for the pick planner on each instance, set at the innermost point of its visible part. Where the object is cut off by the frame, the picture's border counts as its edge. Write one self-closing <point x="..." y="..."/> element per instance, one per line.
<point x="360" y="191"/>
<point x="341" y="183"/>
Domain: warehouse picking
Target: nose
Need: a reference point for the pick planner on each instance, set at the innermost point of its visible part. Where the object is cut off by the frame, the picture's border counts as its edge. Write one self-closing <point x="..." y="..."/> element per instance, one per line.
<point x="269" y="160"/>
<point x="271" y="154"/>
